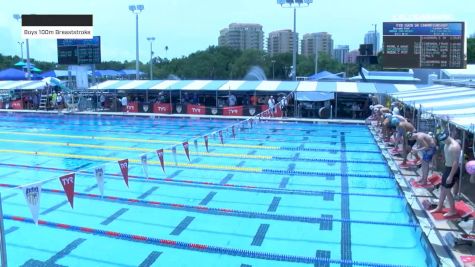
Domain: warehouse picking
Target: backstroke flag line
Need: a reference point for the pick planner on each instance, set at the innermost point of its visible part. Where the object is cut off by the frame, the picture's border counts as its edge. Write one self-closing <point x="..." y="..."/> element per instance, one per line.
<point x="143" y="159"/>
<point x="67" y="181"/>
<point x="124" y="168"/>
<point x="187" y="150"/>
<point x="32" y="195"/>
<point x="99" y="172"/>
<point x="160" y="157"/>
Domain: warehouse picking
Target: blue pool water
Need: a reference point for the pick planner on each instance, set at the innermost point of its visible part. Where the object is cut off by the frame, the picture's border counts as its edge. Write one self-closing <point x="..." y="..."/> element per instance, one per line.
<point x="280" y="194"/>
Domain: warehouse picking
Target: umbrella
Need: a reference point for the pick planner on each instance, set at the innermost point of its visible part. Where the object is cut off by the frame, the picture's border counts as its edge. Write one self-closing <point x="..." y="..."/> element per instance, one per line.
<point x="52" y="80"/>
<point x="35" y="69"/>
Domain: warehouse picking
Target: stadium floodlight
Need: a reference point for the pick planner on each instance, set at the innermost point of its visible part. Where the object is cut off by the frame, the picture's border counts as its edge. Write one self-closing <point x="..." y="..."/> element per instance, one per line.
<point x="136" y="9"/>
<point x="294" y="4"/>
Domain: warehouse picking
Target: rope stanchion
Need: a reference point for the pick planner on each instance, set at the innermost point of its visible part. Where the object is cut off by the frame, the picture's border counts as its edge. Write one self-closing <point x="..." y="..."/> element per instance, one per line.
<point x="198" y="247"/>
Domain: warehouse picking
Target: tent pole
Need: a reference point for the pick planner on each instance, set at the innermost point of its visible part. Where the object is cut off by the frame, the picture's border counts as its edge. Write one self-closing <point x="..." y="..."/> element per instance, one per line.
<point x="171" y="106"/>
<point x="2" y="236"/>
<point x="336" y="105"/>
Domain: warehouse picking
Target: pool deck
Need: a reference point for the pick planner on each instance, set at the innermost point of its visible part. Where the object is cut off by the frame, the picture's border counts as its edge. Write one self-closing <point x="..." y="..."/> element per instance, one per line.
<point x="434" y="230"/>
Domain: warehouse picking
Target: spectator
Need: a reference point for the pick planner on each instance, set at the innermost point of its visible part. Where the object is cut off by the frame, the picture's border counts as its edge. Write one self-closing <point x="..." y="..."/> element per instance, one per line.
<point x="102" y="100"/>
<point x="253" y="100"/>
<point x="232" y="100"/>
<point x="123" y="102"/>
<point x="271" y="104"/>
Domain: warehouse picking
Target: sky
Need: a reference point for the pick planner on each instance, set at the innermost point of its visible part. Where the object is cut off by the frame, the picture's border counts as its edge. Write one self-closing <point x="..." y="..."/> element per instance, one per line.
<point x="186" y="26"/>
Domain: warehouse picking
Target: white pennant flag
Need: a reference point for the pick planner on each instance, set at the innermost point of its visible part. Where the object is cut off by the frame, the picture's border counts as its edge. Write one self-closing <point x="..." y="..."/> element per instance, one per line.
<point x="32" y="196"/>
<point x="99" y="171"/>
<point x="143" y="159"/>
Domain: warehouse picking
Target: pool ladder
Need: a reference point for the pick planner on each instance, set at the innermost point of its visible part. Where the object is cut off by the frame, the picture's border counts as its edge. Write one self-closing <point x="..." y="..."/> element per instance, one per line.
<point x="43" y="102"/>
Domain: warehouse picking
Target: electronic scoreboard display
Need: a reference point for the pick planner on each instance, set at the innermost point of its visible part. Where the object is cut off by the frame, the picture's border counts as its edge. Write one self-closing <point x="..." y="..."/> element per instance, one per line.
<point x="424" y="45"/>
<point x="79" y="51"/>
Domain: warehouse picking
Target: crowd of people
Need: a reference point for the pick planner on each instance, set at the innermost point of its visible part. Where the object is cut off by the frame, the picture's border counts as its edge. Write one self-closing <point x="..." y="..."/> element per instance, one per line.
<point x="399" y="132"/>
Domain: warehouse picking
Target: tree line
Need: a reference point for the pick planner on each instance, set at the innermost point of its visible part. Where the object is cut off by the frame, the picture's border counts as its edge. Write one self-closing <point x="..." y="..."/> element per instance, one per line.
<point x="224" y="63"/>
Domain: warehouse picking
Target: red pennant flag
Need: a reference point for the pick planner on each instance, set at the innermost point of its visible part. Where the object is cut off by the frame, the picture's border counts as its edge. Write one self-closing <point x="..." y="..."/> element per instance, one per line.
<point x="234" y="133"/>
<point x="206" y="142"/>
<point x="221" y="136"/>
<point x="160" y="157"/>
<point x="187" y="151"/>
<point x="124" y="168"/>
<point x="67" y="181"/>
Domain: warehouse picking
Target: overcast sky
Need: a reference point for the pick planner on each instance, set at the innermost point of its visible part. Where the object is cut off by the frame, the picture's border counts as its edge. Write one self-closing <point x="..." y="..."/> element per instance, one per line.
<point x="186" y="26"/>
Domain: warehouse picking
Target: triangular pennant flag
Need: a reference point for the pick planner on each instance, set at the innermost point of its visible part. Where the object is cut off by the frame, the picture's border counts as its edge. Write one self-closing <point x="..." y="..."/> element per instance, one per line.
<point x="124" y="168"/>
<point x="32" y="195"/>
<point x="99" y="171"/>
<point x="221" y="136"/>
<point x="233" y="132"/>
<point x="174" y="155"/>
<point x="187" y="151"/>
<point x="160" y="157"/>
<point x="196" y="144"/>
<point x="206" y="142"/>
<point x="143" y="159"/>
<point x="251" y="120"/>
<point x="67" y="181"/>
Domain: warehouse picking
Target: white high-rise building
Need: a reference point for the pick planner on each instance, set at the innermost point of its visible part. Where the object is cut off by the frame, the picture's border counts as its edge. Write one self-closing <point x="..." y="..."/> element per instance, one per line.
<point x="280" y="42"/>
<point x="319" y="41"/>
<point x="242" y="36"/>
<point x="340" y="53"/>
<point x="370" y="38"/>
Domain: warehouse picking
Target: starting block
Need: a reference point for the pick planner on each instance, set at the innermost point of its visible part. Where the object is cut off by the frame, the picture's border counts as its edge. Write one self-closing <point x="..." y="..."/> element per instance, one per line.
<point x="459" y="239"/>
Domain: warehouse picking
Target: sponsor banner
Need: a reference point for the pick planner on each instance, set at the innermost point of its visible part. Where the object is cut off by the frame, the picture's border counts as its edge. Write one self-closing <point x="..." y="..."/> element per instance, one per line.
<point x="214" y="111"/>
<point x="174" y="155"/>
<point x="124" y="168"/>
<point x="99" y="172"/>
<point x="32" y="195"/>
<point x="206" y="142"/>
<point x="162" y="108"/>
<point x="143" y="159"/>
<point x="17" y="104"/>
<point x="67" y="181"/>
<point x="221" y="136"/>
<point x="233" y="111"/>
<point x="196" y="109"/>
<point x="187" y="149"/>
<point x="133" y="106"/>
<point x="160" y="157"/>
<point x="251" y="110"/>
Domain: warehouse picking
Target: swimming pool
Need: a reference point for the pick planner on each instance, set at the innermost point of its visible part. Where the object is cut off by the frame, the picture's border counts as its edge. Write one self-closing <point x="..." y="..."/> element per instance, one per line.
<point x="280" y="194"/>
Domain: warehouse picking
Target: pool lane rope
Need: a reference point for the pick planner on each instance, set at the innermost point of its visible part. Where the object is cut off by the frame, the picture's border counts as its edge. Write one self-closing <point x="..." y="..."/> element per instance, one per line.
<point x="199" y="166"/>
<point x="221" y="211"/>
<point x="199" y="247"/>
<point x="227" y="186"/>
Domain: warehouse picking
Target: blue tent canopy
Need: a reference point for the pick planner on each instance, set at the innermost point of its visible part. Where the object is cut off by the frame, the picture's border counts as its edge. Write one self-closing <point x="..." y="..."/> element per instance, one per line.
<point x="12" y="74"/>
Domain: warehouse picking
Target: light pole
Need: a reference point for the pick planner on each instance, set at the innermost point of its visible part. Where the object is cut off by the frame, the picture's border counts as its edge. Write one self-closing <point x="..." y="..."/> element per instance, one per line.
<point x="294" y="4"/>
<point x="273" y="63"/>
<point x="136" y="9"/>
<point x="28" y="67"/>
<point x="21" y="48"/>
<point x="151" y="39"/>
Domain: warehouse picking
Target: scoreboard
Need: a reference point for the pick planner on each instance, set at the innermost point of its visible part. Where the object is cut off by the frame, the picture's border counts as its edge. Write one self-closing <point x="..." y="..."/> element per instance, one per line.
<point x="424" y="45"/>
<point x="79" y="51"/>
